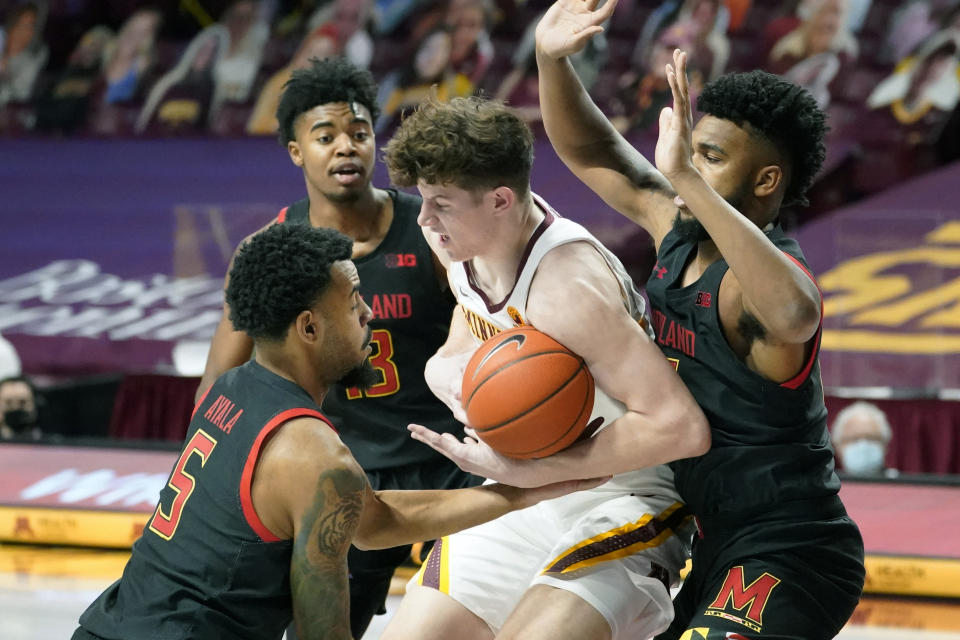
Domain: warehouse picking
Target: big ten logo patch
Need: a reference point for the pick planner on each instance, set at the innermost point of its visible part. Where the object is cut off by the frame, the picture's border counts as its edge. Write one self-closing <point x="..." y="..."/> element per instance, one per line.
<point x="397" y="260"/>
<point x="748" y="601"/>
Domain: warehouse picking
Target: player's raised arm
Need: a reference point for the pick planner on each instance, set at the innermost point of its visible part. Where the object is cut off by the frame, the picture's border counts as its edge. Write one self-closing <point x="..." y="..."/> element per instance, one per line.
<point x="581" y="135"/>
<point x="771" y="288"/>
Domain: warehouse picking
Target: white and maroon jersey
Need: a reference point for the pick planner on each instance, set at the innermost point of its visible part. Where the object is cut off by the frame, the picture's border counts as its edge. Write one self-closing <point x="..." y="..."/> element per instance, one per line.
<point x="486" y="318"/>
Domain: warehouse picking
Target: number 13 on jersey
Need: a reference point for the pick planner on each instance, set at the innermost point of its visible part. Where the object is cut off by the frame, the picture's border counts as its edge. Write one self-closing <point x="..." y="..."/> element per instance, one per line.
<point x="382" y="361"/>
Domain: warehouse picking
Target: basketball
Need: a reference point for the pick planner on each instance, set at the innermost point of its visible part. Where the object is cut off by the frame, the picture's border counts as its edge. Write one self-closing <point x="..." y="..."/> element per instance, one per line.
<point x="526" y="395"/>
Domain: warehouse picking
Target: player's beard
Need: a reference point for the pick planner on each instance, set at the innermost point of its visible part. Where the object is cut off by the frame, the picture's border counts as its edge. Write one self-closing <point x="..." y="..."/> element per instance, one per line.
<point x="691" y="230"/>
<point x="362" y="376"/>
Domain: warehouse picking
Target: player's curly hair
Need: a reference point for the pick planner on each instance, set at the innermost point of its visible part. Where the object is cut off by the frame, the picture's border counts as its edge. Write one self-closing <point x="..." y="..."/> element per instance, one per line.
<point x="324" y="81"/>
<point x="474" y="143"/>
<point x="280" y="272"/>
<point x="783" y="112"/>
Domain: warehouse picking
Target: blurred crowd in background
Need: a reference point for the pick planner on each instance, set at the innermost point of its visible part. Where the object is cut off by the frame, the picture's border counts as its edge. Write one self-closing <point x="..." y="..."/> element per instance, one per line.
<point x="885" y="70"/>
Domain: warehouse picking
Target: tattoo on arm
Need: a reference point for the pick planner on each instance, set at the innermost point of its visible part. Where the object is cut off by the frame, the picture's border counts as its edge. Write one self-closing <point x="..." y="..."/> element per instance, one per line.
<point x="318" y="571"/>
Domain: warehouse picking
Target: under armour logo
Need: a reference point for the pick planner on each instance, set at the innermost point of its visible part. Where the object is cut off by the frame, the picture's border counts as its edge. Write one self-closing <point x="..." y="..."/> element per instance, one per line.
<point x="659" y="271"/>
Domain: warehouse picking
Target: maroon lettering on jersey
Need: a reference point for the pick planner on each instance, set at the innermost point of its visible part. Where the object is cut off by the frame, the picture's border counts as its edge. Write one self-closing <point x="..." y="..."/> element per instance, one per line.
<point x="223" y="413"/>
<point x="671" y="334"/>
<point x="391" y="305"/>
<point x="658" y="321"/>
<point x="397" y="260"/>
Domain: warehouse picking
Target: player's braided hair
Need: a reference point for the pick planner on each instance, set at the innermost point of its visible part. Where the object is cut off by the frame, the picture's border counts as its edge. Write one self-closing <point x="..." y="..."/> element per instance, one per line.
<point x="474" y="143"/>
<point x="324" y="82"/>
<point x="280" y="272"/>
<point x="785" y="113"/>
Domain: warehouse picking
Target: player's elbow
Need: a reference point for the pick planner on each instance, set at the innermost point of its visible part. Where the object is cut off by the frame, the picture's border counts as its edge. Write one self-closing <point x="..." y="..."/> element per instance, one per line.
<point x="808" y="317"/>
<point x="691" y="432"/>
<point x="367" y="543"/>
<point x="373" y="536"/>
<point x="379" y="527"/>
<point x="799" y="320"/>
<point x="685" y="428"/>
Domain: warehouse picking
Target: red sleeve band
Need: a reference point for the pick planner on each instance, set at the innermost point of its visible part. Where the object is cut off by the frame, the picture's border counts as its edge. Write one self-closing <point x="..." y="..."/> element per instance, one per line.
<point x="246" y="480"/>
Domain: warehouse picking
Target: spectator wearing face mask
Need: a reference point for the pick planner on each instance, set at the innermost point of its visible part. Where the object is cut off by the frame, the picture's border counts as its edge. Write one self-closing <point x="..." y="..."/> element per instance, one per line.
<point x="18" y="410"/>
<point x="861" y="435"/>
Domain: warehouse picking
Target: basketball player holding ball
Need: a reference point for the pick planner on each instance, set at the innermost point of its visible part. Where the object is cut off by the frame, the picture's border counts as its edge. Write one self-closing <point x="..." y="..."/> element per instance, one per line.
<point x="599" y="565"/>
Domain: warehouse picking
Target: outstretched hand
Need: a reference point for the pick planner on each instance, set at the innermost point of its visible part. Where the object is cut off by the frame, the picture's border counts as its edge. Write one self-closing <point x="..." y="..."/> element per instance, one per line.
<point x="472" y="454"/>
<point x="476" y="457"/>
<point x="531" y="496"/>
<point x="568" y="25"/>
<point x="674" y="153"/>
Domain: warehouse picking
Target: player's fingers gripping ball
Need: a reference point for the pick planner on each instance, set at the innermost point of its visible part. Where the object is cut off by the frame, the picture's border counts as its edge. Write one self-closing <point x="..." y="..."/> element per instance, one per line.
<point x="526" y="395"/>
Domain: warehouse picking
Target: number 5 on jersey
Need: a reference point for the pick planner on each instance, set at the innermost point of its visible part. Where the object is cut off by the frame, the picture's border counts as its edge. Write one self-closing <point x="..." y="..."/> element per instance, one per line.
<point x="182" y="483"/>
<point x="382" y="361"/>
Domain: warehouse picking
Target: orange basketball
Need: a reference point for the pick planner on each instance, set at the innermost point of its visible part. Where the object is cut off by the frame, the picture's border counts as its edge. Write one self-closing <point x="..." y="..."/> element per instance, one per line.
<point x="527" y="395"/>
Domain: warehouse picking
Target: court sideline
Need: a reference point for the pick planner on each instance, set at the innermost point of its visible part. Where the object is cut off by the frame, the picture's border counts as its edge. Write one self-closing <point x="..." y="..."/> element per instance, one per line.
<point x="44" y="590"/>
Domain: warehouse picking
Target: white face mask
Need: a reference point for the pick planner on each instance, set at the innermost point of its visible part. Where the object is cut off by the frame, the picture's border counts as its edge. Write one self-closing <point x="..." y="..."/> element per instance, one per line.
<point x="863" y="457"/>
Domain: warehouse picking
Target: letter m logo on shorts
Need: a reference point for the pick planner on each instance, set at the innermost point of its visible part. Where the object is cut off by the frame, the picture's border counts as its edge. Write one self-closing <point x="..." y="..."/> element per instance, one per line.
<point x="739" y="596"/>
